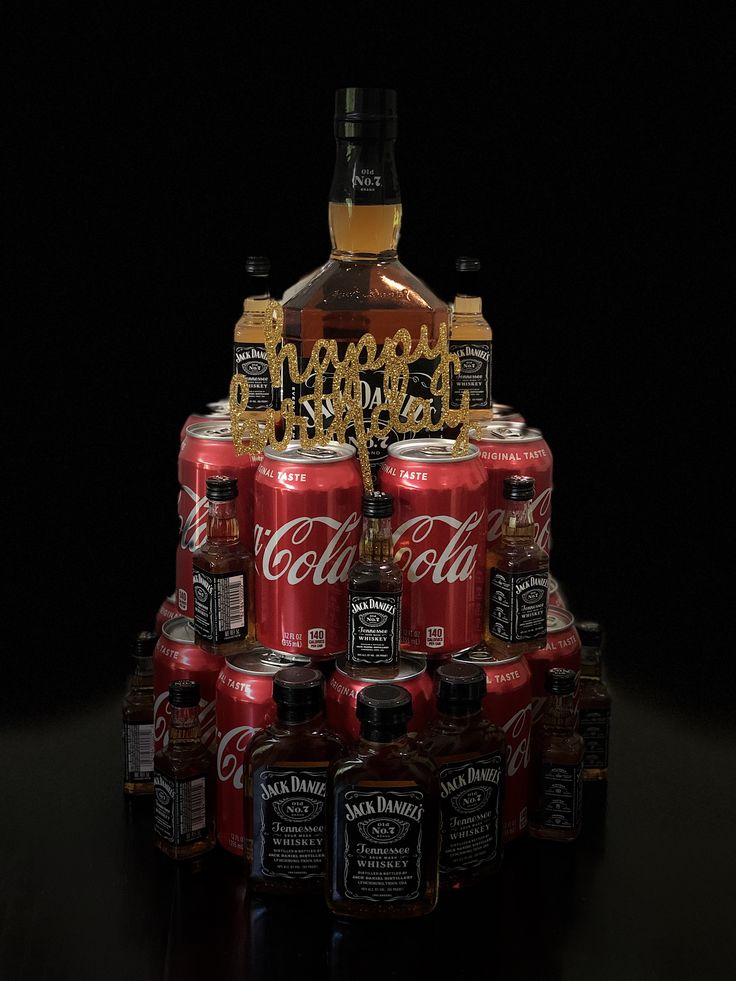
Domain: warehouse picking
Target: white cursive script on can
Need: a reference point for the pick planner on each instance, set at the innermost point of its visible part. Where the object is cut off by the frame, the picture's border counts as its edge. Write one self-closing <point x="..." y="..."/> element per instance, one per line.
<point x="286" y="551"/>
<point x="454" y="563"/>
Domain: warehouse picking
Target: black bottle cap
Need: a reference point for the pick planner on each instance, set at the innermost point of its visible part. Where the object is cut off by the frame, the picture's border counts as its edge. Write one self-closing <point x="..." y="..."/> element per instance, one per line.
<point x="145" y="643"/>
<point x="590" y="633"/>
<point x="560" y="681"/>
<point x="184" y="693"/>
<point x="464" y="263"/>
<point x="378" y="505"/>
<point x="222" y="488"/>
<point x="383" y="712"/>
<point x="518" y="488"/>
<point x="365" y="112"/>
<point x="461" y="687"/>
<point x="258" y="265"/>
<point x="299" y="693"/>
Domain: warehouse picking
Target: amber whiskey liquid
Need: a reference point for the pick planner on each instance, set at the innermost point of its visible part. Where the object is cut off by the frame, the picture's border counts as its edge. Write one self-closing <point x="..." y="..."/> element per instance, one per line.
<point x="471" y="339"/>
<point x="249" y="350"/>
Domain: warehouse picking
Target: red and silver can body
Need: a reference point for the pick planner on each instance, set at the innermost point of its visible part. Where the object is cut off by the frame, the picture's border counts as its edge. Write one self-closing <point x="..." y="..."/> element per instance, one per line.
<point x="167" y="611"/>
<point x="508" y="704"/>
<point x="512" y="448"/>
<point x="244" y="704"/>
<point x="206" y="451"/>
<point x="561" y="651"/>
<point x="177" y="657"/>
<point x="308" y="521"/>
<point x="342" y="695"/>
<point x="439" y="524"/>
<point x="506" y="413"/>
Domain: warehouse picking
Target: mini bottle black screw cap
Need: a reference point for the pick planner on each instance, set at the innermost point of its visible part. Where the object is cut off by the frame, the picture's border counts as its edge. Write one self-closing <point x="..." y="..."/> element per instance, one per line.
<point x="560" y="681"/>
<point x="590" y="633"/>
<point x="221" y="488"/>
<point x="258" y="265"/>
<point x="461" y="687"/>
<point x="378" y="505"/>
<point x="298" y="691"/>
<point x="184" y="693"/>
<point x="518" y="488"/>
<point x="383" y="711"/>
<point x="145" y="643"/>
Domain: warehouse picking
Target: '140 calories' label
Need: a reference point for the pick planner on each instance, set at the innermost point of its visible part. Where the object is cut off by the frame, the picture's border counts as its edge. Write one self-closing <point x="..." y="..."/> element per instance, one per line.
<point x="289" y="822"/>
<point x="382" y="855"/>
<point x="475" y="373"/>
<point x="250" y="361"/>
<point x="219" y="605"/>
<point x="518" y="604"/>
<point x="374" y="626"/>
<point x="471" y="813"/>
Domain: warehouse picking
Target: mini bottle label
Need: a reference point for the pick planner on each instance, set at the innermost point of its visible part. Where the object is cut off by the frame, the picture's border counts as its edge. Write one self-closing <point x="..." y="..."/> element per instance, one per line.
<point x="475" y="373"/>
<point x="518" y="605"/>
<point x="250" y="361"/>
<point x="381" y="859"/>
<point x="289" y="822"/>
<point x="180" y="809"/>
<point x="374" y="625"/>
<point x="471" y="813"/>
<point x="219" y="605"/>
<point x="562" y="794"/>
<point x="138" y="751"/>
<point x="594" y="728"/>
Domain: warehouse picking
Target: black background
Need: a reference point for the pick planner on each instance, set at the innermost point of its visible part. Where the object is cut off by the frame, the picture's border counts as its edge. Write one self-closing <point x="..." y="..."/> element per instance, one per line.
<point x="570" y="147"/>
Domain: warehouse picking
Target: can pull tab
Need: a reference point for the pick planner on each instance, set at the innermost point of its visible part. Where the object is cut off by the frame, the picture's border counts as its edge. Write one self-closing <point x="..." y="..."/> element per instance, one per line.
<point x="507" y="433"/>
<point x="318" y="453"/>
<point x="434" y="451"/>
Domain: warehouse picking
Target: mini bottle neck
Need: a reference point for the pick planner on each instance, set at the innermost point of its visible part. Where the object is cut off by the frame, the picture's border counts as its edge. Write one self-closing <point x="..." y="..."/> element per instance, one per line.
<point x="298" y="717"/>
<point x="222" y="523"/>
<point x="467" y="306"/>
<point x="365" y="203"/>
<point x="560" y="715"/>
<point x="458" y="714"/>
<point x="376" y="544"/>
<point x="184" y="724"/>
<point x="517" y="520"/>
<point x="143" y="672"/>
<point x="377" y="739"/>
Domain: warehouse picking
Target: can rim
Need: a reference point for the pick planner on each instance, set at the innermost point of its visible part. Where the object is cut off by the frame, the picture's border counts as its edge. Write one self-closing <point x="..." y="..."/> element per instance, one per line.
<point x="466" y="655"/>
<point x="332" y="452"/>
<point x="175" y="627"/>
<point x="509" y="432"/>
<point x="206" y="430"/>
<point x="410" y="661"/>
<point x="559" y="612"/>
<point x="258" y="663"/>
<point x="433" y="450"/>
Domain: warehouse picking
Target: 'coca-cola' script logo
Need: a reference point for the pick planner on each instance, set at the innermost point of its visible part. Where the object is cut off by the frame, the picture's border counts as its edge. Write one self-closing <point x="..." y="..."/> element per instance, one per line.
<point x="287" y="552"/>
<point x="230" y="755"/>
<point x="453" y="562"/>
<point x="541" y="512"/>
<point x="194" y="524"/>
<point x="518" y="730"/>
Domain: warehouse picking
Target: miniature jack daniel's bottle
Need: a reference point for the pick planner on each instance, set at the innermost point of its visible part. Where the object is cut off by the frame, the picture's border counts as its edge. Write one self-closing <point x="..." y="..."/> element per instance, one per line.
<point x="595" y="702"/>
<point x="558" y="797"/>
<point x="249" y="349"/>
<point x="374" y="605"/>
<point x="222" y="576"/>
<point x="384" y="816"/>
<point x="138" y="720"/>
<point x="471" y="339"/>
<point x="518" y="573"/>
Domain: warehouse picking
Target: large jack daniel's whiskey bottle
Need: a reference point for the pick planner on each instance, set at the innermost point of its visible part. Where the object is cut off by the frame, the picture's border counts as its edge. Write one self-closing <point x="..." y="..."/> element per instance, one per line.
<point x="363" y="288"/>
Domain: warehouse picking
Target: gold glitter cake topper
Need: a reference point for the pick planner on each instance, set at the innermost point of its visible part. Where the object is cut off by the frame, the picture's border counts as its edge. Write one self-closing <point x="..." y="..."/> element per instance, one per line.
<point x="344" y="395"/>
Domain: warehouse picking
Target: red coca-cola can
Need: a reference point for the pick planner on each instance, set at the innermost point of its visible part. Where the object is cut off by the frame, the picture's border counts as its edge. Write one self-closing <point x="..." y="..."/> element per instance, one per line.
<point x="514" y="448"/>
<point x="508" y="704"/>
<point x="244" y="704"/>
<point x="506" y="413"/>
<point x="208" y="450"/>
<point x="561" y="651"/>
<point x="439" y="523"/>
<point x="176" y="657"/>
<point x="167" y="611"/>
<point x="342" y="694"/>
<point x="308" y="520"/>
<point x="555" y="596"/>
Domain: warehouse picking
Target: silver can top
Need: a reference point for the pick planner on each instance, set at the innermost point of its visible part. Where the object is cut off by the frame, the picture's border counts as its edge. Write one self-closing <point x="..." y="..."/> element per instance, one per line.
<point x="494" y="431"/>
<point x="481" y="655"/>
<point x="210" y="430"/>
<point x="430" y="451"/>
<point x="295" y="453"/>
<point x="180" y="630"/>
<point x="261" y="660"/>
<point x="559" y="619"/>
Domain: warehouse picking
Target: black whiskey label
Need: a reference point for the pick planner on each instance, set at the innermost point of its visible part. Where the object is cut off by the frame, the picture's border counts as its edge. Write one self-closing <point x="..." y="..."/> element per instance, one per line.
<point x="382" y="855"/>
<point x="219" y="605"/>
<point x="418" y="387"/>
<point x="374" y="626"/>
<point x="289" y="822"/>
<point x="562" y="794"/>
<point x="471" y="812"/>
<point x="250" y="361"/>
<point x="517" y="607"/>
<point x="365" y="173"/>
<point x="138" y="751"/>
<point x="180" y="809"/>
<point x="594" y="727"/>
<point x="474" y="376"/>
